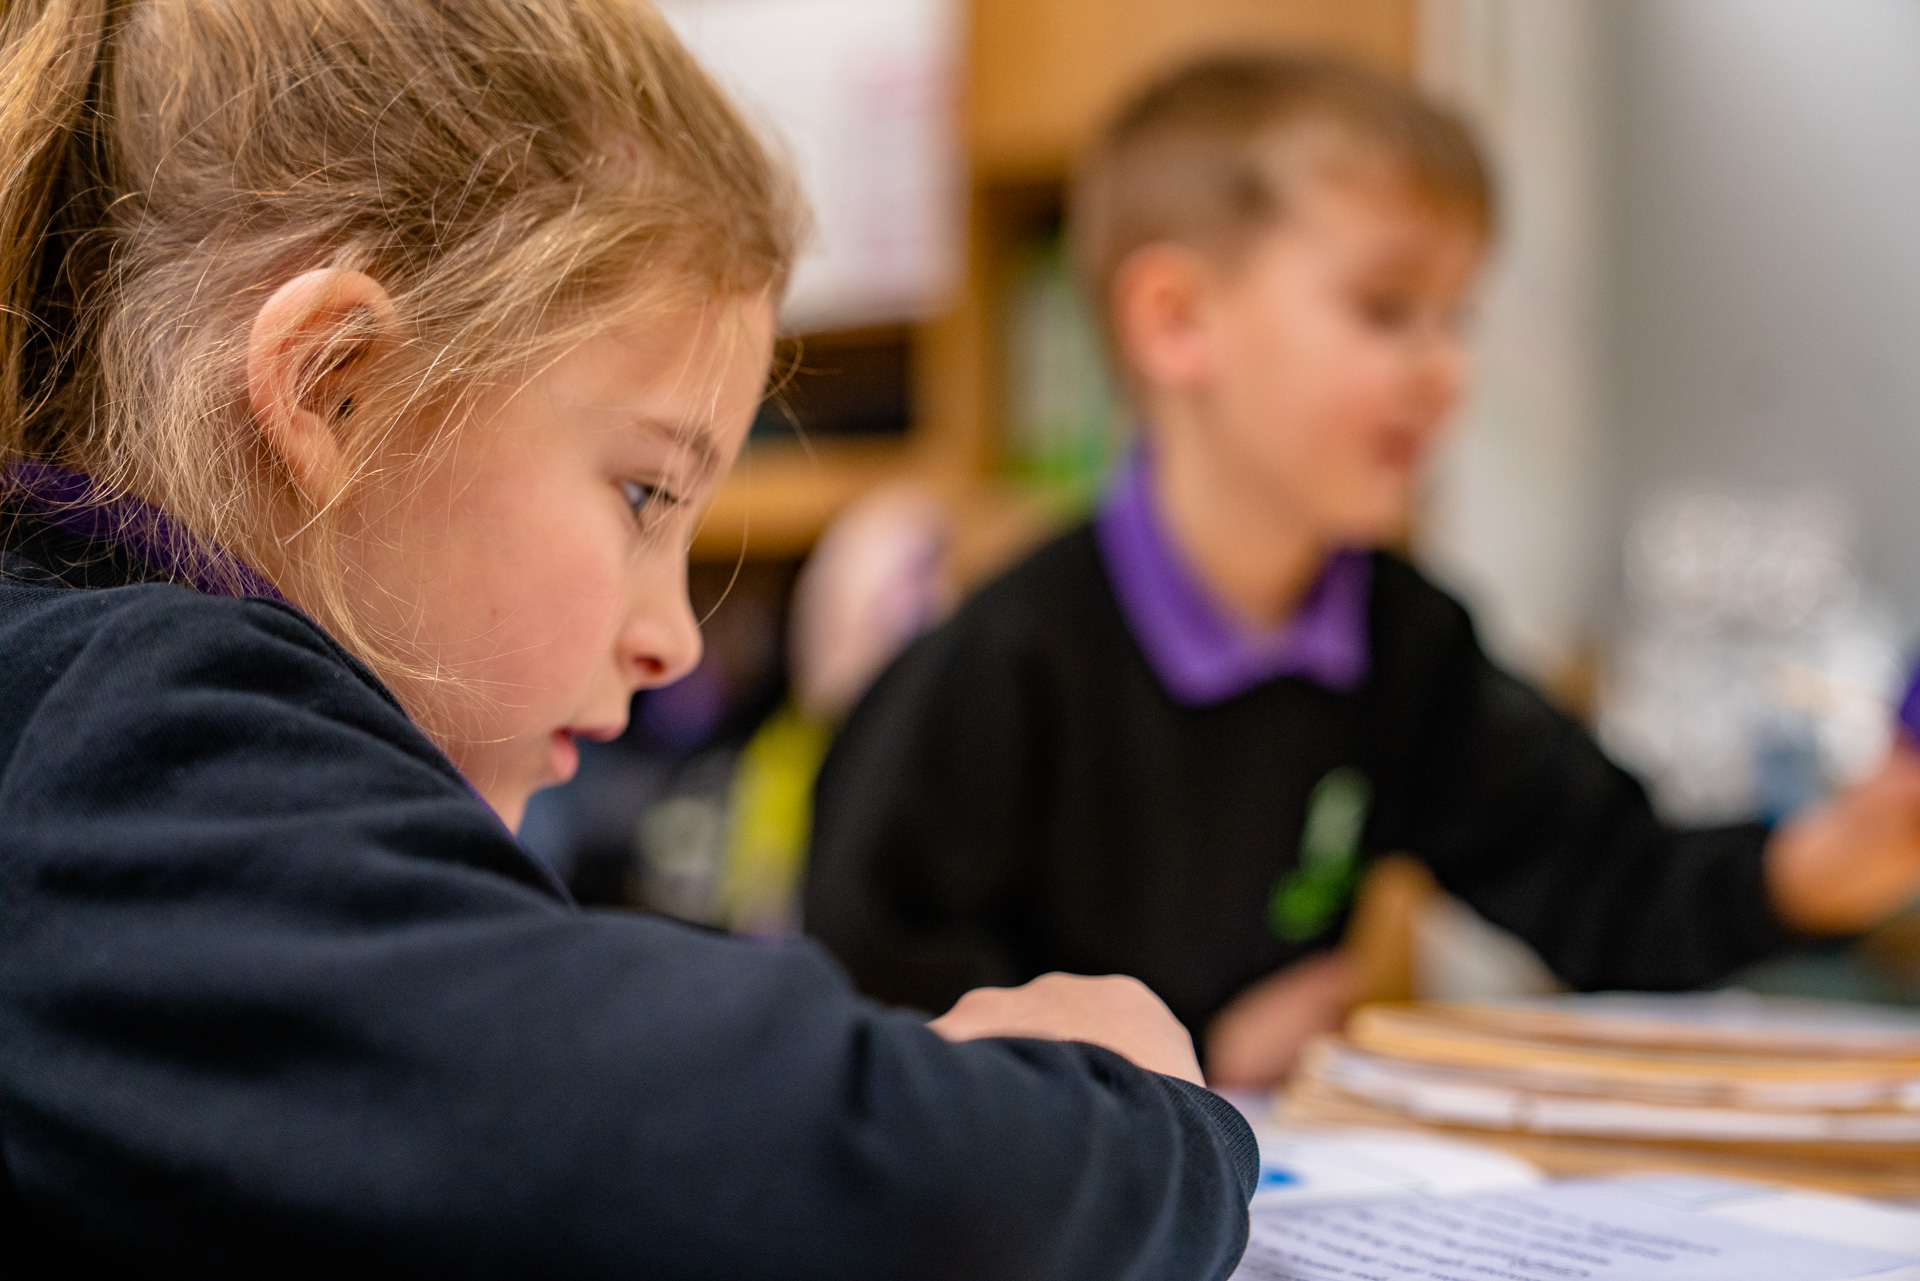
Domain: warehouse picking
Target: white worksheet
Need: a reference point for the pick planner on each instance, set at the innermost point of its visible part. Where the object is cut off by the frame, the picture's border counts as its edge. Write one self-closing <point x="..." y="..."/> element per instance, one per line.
<point x="1654" y="1229"/>
<point x="1305" y="1168"/>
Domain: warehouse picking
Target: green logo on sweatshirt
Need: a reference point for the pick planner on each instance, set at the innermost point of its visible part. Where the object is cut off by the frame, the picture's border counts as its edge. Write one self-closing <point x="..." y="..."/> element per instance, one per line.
<point x="1312" y="894"/>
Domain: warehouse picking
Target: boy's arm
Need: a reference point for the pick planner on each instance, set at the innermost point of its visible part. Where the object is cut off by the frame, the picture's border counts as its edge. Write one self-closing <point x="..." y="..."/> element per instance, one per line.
<point x="1519" y="812"/>
<point x="278" y="996"/>
<point x="924" y="824"/>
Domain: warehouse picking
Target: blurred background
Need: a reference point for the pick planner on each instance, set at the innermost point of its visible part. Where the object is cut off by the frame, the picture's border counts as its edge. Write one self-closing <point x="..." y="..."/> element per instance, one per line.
<point x="1680" y="500"/>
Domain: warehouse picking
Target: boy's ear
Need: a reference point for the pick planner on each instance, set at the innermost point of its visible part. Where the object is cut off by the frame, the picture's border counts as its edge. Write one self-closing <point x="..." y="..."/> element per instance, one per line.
<point x="307" y="354"/>
<point x="1159" y="314"/>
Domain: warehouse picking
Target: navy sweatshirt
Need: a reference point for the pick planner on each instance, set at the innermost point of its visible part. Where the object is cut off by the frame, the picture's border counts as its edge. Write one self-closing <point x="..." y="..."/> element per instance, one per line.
<point x="279" y="996"/>
<point x="1019" y="793"/>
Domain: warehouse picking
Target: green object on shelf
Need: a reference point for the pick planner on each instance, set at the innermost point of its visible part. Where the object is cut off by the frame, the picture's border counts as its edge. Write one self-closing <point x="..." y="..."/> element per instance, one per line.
<point x="1309" y="897"/>
<point x="1061" y="408"/>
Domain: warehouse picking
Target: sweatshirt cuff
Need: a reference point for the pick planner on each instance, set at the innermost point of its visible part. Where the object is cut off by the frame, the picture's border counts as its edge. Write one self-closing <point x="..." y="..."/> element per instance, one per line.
<point x="1227" y="1125"/>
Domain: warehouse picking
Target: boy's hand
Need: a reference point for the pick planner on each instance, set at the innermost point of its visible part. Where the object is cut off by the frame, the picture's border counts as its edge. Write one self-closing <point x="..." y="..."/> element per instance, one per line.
<point x="1115" y="1013"/>
<point x="1252" y="1044"/>
<point x="1851" y="862"/>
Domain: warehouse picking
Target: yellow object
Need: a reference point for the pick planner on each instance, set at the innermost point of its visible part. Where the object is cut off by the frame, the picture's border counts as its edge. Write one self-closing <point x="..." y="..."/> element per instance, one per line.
<point x="772" y="806"/>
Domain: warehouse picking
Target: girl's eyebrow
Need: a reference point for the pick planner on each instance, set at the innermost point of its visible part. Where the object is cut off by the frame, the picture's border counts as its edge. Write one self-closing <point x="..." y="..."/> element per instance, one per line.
<point x="684" y="435"/>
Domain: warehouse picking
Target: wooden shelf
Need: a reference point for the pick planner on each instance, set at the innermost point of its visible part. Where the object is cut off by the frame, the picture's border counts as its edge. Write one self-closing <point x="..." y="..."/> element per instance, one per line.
<point x="781" y="495"/>
<point x="1047" y="72"/>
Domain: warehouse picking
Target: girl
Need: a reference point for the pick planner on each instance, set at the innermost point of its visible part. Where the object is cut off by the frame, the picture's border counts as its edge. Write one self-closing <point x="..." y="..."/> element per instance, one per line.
<point x="367" y="365"/>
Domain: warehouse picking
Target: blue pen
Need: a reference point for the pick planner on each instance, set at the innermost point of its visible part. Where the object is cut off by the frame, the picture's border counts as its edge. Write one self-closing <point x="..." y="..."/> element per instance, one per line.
<point x="1273" y="1176"/>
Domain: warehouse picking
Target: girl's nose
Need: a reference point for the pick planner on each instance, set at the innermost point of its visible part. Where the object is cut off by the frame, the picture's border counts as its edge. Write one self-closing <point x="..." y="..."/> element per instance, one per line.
<point x="661" y="640"/>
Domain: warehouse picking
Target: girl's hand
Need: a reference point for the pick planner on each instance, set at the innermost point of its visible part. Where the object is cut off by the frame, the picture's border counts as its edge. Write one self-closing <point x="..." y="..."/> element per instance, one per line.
<point x="1849" y="863"/>
<point x="1115" y="1013"/>
<point x="1253" y="1043"/>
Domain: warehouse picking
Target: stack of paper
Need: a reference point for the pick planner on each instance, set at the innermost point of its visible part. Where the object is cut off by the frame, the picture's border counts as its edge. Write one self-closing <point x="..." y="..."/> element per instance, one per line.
<point x="1790" y="1091"/>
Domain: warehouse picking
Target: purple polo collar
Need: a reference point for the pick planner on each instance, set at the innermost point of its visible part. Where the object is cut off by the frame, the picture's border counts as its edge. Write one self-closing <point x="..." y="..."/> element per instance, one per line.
<point x="1201" y="655"/>
<point x="71" y="501"/>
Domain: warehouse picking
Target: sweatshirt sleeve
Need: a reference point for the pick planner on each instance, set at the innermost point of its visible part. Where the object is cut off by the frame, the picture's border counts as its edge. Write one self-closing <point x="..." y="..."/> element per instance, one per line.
<point x="927" y="815"/>
<point x="280" y="996"/>
<point x="1519" y="813"/>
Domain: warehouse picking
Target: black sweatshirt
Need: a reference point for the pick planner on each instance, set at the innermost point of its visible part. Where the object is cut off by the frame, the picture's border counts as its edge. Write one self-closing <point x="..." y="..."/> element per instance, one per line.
<point x="280" y="997"/>
<point x="1019" y="794"/>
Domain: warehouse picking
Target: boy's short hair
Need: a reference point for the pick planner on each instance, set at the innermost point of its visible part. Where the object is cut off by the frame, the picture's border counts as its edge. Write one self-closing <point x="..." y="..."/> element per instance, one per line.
<point x="1205" y="156"/>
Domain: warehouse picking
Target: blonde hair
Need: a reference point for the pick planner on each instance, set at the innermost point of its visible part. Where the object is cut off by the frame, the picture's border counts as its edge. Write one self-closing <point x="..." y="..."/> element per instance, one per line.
<point x="1208" y="155"/>
<point x="516" y="174"/>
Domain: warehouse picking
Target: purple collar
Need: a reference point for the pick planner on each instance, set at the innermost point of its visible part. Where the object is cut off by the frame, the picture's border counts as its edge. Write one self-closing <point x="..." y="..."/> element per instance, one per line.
<point x="73" y="502"/>
<point x="1202" y="655"/>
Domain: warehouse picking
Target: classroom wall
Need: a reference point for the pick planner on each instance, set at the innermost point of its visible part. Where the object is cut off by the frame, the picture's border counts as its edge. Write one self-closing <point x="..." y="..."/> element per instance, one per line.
<point x="1709" y="276"/>
<point x="1513" y="519"/>
<point x="1766" y="319"/>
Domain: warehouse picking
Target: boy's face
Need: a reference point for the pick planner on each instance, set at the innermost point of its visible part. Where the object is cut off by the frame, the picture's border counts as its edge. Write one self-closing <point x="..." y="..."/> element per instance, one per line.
<point x="541" y="563"/>
<point x="1330" y="356"/>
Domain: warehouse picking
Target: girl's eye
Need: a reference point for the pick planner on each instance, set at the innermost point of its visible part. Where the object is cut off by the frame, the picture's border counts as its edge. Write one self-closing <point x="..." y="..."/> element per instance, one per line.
<point x="645" y="499"/>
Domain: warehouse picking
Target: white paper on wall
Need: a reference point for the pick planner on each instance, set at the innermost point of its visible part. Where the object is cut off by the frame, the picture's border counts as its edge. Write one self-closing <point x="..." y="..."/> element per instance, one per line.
<point x="861" y="96"/>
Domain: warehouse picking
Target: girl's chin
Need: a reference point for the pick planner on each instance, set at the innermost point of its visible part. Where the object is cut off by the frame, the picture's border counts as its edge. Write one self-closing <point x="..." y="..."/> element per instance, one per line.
<point x="565" y="756"/>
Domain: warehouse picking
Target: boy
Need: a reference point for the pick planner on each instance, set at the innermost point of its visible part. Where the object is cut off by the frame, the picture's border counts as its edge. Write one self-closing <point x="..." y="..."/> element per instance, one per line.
<point x="1168" y="743"/>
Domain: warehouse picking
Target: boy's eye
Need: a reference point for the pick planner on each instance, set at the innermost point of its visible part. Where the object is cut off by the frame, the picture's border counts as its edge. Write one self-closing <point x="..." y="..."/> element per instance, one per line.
<point x="644" y="498"/>
<point x="1387" y="311"/>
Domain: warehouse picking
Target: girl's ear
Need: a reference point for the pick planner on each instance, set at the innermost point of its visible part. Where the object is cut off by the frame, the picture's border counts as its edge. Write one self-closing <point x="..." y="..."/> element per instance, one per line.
<point x="309" y="351"/>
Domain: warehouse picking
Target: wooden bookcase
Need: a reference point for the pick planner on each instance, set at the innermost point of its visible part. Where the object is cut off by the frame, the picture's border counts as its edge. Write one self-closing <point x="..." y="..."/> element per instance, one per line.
<point x="1041" y="76"/>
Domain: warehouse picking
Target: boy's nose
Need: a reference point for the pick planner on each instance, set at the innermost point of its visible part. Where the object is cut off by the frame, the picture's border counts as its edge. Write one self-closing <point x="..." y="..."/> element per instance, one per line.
<point x="661" y="640"/>
<point x="1441" y="368"/>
